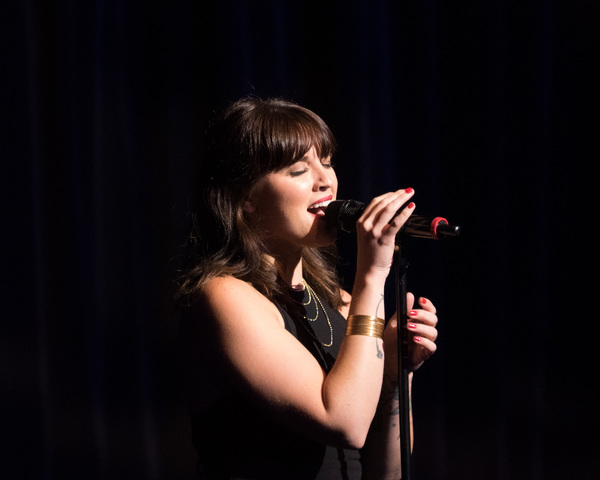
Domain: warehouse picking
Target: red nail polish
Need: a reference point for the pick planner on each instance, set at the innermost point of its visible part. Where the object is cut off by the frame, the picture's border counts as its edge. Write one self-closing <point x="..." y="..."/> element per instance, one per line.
<point x="411" y="205"/>
<point x="413" y="313"/>
<point x="417" y="339"/>
<point x="423" y="301"/>
<point x="408" y="190"/>
<point x="412" y="325"/>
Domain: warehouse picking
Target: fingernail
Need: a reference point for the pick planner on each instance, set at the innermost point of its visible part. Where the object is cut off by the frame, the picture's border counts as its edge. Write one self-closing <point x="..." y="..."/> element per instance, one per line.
<point x="412" y="325"/>
<point x="413" y="313"/>
<point x="417" y="339"/>
<point x="423" y="301"/>
<point x="411" y="205"/>
<point x="408" y="190"/>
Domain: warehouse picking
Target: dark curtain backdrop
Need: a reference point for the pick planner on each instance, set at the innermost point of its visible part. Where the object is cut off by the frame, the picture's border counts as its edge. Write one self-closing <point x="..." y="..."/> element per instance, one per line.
<point x="485" y="108"/>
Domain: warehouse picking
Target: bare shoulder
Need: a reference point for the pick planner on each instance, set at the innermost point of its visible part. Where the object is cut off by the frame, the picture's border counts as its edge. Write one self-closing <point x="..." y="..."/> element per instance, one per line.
<point x="219" y="287"/>
<point x="226" y="301"/>
<point x="217" y="326"/>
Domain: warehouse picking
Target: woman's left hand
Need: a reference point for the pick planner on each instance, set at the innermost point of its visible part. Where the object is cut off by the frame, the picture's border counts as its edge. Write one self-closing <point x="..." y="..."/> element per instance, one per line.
<point x="422" y="334"/>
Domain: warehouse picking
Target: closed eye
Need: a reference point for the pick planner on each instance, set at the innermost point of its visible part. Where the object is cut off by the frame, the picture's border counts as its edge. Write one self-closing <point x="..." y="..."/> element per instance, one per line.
<point x="297" y="173"/>
<point x="301" y="167"/>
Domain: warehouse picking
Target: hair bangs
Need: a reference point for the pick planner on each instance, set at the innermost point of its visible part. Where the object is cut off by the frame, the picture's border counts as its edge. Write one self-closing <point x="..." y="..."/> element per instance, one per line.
<point x="292" y="132"/>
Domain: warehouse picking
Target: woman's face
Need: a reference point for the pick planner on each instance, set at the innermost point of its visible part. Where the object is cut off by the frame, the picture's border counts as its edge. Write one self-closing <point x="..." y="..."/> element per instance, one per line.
<point x="289" y="205"/>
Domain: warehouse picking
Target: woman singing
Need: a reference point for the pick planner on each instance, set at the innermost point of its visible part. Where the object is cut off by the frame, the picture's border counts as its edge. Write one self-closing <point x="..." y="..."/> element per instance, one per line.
<point x="288" y="375"/>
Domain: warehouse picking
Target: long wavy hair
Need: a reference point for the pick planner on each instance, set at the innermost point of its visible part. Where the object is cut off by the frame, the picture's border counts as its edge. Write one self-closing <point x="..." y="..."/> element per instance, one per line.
<point x="251" y="138"/>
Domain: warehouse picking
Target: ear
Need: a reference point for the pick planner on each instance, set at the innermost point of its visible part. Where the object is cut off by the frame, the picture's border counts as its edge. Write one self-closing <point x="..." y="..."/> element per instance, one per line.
<point x="248" y="206"/>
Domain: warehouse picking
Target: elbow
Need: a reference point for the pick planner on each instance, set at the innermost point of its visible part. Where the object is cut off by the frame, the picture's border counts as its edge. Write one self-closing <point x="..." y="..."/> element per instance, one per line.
<point x="342" y="434"/>
<point x="351" y="437"/>
<point x="355" y="442"/>
<point x="348" y="424"/>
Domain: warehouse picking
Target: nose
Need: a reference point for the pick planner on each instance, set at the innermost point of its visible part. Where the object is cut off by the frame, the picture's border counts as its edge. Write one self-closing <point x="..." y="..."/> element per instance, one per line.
<point x="325" y="177"/>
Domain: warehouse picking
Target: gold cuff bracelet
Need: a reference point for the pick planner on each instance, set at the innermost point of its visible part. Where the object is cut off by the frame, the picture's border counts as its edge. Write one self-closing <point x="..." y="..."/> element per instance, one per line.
<point x="365" y="325"/>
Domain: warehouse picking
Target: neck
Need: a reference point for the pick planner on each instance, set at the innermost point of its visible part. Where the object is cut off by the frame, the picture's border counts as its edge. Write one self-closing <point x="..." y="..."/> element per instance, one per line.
<point x="289" y="268"/>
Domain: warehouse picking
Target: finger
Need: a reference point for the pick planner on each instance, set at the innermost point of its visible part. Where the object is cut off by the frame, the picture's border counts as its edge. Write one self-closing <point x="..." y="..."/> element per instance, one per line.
<point x="392" y="323"/>
<point x="427" y="347"/>
<point x="422" y="350"/>
<point x="423" y="316"/>
<point x="427" y="305"/>
<point x="385" y="199"/>
<point x="421" y="330"/>
<point x="390" y="328"/>
<point x="400" y="217"/>
<point x="377" y="204"/>
<point x="380" y="214"/>
<point x="392" y="216"/>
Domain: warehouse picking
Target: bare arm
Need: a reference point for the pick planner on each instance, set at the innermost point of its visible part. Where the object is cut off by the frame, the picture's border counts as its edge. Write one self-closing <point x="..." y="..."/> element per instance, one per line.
<point x="249" y="351"/>
<point x="381" y="454"/>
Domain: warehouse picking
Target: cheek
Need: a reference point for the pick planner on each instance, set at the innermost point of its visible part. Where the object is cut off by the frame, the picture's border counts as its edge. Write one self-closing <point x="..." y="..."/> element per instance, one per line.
<point x="277" y="205"/>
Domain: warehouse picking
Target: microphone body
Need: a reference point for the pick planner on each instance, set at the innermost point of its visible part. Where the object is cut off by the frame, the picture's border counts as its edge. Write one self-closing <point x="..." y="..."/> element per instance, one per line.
<point x="344" y="214"/>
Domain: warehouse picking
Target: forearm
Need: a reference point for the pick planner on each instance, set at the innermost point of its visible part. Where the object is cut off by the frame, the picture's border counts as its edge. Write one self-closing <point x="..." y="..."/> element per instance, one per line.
<point x="368" y="295"/>
<point x="381" y="455"/>
<point x="357" y="372"/>
<point x="351" y="390"/>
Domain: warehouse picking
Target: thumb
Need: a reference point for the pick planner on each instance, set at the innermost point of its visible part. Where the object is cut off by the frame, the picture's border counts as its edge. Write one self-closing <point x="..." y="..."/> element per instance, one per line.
<point x="410" y="301"/>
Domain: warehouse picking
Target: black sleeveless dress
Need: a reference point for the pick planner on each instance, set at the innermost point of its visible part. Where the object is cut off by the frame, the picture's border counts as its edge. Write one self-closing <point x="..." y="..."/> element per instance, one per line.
<point x="234" y="440"/>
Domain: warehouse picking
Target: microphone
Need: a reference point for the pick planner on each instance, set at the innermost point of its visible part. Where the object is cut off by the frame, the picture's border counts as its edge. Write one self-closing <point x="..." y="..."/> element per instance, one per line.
<point x="343" y="214"/>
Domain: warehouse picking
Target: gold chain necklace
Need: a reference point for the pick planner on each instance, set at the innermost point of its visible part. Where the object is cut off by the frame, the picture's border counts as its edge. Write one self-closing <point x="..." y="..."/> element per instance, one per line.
<point x="312" y="295"/>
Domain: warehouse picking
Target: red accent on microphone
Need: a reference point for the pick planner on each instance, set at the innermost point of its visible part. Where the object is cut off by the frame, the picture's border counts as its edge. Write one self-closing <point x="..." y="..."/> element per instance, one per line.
<point x="434" y="225"/>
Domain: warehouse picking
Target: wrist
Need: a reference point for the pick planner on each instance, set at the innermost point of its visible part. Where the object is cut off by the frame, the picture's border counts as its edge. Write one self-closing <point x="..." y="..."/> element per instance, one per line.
<point x="368" y="296"/>
<point x="367" y="325"/>
<point x="390" y="382"/>
<point x="371" y="277"/>
<point x="368" y="284"/>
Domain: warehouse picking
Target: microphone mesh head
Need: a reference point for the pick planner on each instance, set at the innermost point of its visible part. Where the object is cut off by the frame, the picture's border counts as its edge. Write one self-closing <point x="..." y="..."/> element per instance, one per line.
<point x="344" y="214"/>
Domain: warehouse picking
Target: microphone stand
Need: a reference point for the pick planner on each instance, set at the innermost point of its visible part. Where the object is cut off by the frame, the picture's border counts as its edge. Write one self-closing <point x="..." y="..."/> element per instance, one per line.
<point x="400" y="269"/>
<point x="344" y="214"/>
<point x="439" y="230"/>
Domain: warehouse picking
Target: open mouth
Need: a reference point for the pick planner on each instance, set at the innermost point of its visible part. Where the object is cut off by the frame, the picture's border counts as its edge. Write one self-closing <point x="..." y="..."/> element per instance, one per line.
<point x="320" y="207"/>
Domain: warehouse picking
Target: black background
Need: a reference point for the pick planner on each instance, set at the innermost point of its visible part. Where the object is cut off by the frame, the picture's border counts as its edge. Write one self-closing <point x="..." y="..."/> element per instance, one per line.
<point x="486" y="109"/>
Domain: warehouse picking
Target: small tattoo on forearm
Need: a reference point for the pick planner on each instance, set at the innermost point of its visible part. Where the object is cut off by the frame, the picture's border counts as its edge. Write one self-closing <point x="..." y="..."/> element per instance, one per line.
<point x="379" y="305"/>
<point x="396" y="397"/>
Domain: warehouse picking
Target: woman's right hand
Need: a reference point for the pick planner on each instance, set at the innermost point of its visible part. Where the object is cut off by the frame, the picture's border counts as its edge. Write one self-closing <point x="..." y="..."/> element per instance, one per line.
<point x="376" y="231"/>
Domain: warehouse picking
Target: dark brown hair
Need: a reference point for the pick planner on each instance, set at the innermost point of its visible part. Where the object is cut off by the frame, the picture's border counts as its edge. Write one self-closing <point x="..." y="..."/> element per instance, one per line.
<point x="252" y="138"/>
